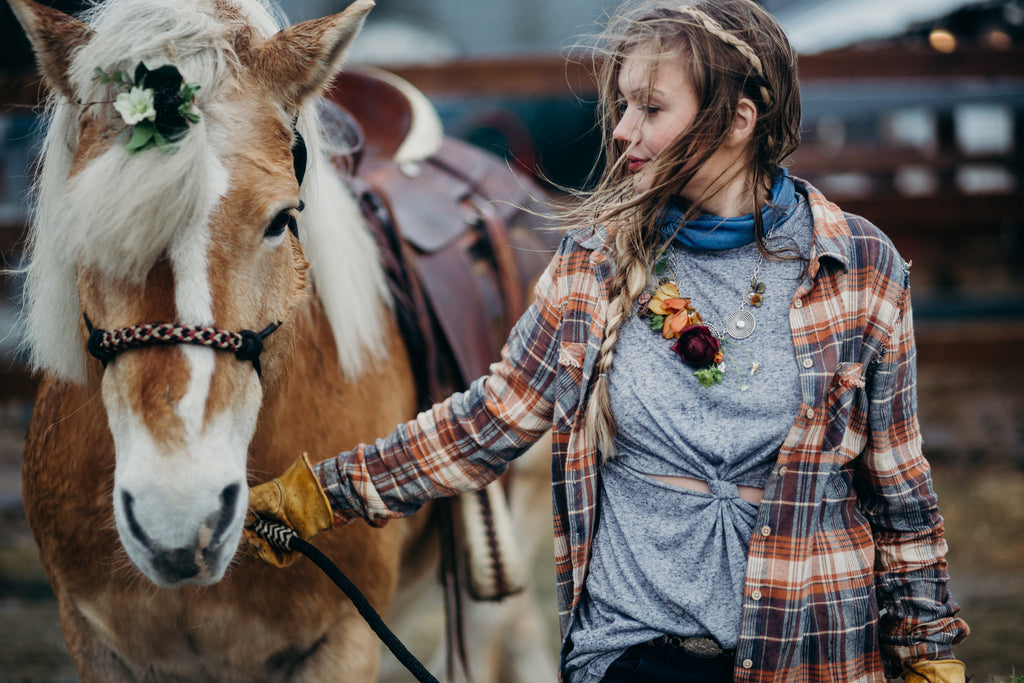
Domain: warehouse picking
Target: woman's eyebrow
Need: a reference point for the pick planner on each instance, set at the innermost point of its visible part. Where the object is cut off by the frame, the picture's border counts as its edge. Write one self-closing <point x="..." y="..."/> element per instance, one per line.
<point x="644" y="91"/>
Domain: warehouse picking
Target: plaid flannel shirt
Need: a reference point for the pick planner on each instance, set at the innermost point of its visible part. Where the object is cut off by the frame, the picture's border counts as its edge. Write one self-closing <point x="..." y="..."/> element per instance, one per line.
<point x="846" y="577"/>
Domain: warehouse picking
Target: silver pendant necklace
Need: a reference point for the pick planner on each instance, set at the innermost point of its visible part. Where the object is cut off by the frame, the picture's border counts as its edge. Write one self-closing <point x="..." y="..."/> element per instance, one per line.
<point x="741" y="323"/>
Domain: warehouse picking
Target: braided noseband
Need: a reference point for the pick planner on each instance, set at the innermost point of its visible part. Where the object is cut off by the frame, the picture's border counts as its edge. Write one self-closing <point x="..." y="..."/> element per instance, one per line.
<point x="246" y="344"/>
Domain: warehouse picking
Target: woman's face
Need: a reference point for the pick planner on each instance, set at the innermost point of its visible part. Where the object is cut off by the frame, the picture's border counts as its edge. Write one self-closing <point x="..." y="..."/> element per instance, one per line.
<point x="651" y="119"/>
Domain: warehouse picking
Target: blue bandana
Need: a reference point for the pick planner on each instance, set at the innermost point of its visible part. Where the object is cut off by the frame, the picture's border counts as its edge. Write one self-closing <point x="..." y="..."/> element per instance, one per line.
<point x="708" y="232"/>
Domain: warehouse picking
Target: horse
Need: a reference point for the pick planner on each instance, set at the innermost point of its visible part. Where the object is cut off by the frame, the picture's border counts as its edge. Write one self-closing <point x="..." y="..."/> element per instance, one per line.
<point x="234" y="224"/>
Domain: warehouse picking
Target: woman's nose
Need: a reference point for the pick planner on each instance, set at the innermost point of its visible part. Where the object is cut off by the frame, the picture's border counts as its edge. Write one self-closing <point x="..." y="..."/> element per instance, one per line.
<point x="626" y="129"/>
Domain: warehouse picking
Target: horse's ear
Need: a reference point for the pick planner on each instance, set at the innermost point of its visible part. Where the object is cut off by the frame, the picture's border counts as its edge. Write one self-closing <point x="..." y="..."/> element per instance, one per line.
<point x="55" y="37"/>
<point x="299" y="62"/>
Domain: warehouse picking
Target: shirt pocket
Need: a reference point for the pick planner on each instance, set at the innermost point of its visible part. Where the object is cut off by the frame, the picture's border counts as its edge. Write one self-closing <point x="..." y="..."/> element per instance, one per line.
<point x="568" y="384"/>
<point x="845" y="431"/>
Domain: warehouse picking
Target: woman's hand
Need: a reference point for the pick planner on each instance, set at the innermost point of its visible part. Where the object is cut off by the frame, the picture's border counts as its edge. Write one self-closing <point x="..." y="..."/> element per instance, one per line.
<point x="296" y="499"/>
<point x="935" y="671"/>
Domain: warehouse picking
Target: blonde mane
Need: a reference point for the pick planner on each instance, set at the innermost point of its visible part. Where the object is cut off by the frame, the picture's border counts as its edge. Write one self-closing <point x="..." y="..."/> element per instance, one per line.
<point x="121" y="211"/>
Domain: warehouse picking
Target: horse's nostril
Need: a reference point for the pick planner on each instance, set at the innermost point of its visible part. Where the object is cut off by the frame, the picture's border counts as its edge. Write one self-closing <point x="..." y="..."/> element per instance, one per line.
<point x="133" y="523"/>
<point x="229" y="495"/>
<point x="228" y="499"/>
<point x="177" y="564"/>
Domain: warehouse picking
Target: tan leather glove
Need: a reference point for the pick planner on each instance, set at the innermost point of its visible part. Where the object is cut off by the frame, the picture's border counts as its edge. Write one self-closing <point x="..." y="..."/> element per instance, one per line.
<point x="936" y="671"/>
<point x="294" y="498"/>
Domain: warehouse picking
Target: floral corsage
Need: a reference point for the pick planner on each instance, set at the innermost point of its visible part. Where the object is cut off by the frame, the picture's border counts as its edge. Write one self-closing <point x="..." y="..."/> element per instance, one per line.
<point x="697" y="343"/>
<point x="675" y="318"/>
<point x="157" y="105"/>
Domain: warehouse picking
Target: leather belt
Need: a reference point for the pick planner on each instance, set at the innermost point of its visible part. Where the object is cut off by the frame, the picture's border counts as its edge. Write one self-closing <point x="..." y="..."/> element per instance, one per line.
<point x="702" y="647"/>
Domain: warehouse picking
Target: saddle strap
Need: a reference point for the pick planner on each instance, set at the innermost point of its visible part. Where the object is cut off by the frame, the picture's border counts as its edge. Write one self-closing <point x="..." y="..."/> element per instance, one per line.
<point x="453" y="577"/>
<point x="404" y="284"/>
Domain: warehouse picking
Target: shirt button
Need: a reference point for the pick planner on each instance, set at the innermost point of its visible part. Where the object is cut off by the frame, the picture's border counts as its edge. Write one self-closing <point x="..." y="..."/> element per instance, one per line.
<point x="766" y="531"/>
<point x="782" y="470"/>
<point x="748" y="663"/>
<point x="808" y="363"/>
<point x="809" y="413"/>
<point x="756" y="595"/>
<point x="799" y="303"/>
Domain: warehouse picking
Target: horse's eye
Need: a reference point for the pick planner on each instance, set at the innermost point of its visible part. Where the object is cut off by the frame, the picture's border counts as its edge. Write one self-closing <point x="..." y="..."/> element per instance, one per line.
<point x="285" y="219"/>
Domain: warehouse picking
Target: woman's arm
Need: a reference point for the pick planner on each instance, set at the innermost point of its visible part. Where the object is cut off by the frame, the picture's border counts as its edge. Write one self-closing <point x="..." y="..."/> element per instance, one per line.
<point x="918" y="619"/>
<point x="464" y="442"/>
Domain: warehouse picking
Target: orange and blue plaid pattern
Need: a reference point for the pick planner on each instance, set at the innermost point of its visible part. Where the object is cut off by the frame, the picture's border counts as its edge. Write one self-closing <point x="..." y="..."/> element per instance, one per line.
<point x="846" y="577"/>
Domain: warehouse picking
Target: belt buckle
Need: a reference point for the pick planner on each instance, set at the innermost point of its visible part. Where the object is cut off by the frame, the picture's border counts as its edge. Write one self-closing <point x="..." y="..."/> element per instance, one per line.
<point x="705" y="648"/>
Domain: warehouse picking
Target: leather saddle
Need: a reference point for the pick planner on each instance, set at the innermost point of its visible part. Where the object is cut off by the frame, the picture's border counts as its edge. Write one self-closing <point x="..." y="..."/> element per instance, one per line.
<point x="463" y="242"/>
<point x="460" y="229"/>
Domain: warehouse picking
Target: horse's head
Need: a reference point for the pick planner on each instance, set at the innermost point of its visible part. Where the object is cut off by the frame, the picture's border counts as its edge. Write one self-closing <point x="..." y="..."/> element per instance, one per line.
<point x="198" y="232"/>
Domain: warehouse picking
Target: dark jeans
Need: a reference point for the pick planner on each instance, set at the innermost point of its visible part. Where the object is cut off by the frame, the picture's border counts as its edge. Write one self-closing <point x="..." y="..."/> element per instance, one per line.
<point x="665" y="664"/>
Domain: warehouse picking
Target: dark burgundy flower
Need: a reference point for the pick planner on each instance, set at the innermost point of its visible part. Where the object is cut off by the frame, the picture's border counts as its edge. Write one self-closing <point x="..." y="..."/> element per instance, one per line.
<point x="697" y="346"/>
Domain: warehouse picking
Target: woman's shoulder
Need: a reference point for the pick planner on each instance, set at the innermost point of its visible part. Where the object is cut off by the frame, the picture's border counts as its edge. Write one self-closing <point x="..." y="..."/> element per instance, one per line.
<point x="585" y="238"/>
<point x="852" y="238"/>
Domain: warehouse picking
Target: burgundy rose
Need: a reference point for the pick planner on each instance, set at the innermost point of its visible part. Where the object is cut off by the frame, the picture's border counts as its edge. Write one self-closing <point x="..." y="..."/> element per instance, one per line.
<point x="697" y="346"/>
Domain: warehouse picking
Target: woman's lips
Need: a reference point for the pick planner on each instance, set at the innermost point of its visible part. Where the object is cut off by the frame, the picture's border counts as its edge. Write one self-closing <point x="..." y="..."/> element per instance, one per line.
<point x="635" y="164"/>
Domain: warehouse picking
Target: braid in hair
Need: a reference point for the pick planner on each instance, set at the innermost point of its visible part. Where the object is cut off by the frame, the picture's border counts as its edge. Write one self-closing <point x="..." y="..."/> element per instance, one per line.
<point x="715" y="29"/>
<point x="632" y="256"/>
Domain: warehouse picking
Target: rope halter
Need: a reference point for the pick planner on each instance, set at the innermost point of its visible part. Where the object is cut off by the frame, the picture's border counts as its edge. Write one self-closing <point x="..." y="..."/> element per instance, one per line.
<point x="245" y="344"/>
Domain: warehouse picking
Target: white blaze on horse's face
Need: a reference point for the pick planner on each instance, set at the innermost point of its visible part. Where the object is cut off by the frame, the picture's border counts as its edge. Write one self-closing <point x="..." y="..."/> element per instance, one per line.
<point x="182" y="417"/>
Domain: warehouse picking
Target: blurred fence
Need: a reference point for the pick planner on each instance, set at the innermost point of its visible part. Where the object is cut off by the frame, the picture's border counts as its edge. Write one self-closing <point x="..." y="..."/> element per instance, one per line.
<point x="926" y="145"/>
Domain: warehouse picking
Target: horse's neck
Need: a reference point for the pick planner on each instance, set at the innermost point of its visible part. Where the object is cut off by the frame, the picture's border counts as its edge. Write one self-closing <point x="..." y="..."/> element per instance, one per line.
<point x="313" y="408"/>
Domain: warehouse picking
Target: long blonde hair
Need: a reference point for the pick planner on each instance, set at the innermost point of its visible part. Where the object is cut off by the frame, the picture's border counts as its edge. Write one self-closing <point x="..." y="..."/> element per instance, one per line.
<point x="731" y="49"/>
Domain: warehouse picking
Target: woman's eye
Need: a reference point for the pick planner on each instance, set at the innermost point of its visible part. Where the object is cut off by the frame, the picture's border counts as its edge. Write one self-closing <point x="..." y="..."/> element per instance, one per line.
<point x="283" y="220"/>
<point x="651" y="110"/>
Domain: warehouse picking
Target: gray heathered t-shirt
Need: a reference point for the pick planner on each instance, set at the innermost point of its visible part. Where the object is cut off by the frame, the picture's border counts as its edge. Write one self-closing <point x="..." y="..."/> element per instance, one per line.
<point x="666" y="559"/>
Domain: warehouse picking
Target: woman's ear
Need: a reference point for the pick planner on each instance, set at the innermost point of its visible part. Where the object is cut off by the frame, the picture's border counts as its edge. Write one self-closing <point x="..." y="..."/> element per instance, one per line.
<point x="745" y="121"/>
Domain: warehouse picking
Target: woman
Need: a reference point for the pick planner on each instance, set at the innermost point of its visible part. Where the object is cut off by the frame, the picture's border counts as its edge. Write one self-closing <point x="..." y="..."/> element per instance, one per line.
<point x="704" y="299"/>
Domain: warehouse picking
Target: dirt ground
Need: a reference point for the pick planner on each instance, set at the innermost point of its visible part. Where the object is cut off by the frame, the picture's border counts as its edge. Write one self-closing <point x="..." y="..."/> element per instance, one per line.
<point x="974" y="436"/>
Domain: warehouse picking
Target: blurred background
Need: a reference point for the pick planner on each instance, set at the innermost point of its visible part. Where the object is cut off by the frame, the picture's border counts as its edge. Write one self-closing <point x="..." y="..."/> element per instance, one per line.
<point x="913" y="117"/>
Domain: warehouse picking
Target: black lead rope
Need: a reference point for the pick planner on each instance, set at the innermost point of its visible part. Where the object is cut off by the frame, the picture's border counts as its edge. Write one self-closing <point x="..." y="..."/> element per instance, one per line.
<point x="285" y="538"/>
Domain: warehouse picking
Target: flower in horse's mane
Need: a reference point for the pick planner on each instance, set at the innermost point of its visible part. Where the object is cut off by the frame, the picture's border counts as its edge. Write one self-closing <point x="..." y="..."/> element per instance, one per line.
<point x="157" y="105"/>
<point x="135" y="106"/>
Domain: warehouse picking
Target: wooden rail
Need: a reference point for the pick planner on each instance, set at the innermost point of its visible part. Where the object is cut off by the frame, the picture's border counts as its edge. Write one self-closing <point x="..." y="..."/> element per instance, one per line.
<point x="559" y="75"/>
<point x="925" y="225"/>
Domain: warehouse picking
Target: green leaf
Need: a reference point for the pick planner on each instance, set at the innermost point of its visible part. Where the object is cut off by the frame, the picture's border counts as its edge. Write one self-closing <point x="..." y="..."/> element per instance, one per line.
<point x="708" y="376"/>
<point x="118" y="77"/>
<point x="188" y="91"/>
<point x="661" y="265"/>
<point x="657" y="322"/>
<point x="142" y="137"/>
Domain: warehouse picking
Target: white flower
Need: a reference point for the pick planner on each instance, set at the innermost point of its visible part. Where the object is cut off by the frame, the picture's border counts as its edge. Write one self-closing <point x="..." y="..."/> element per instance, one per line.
<point x="136" y="106"/>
